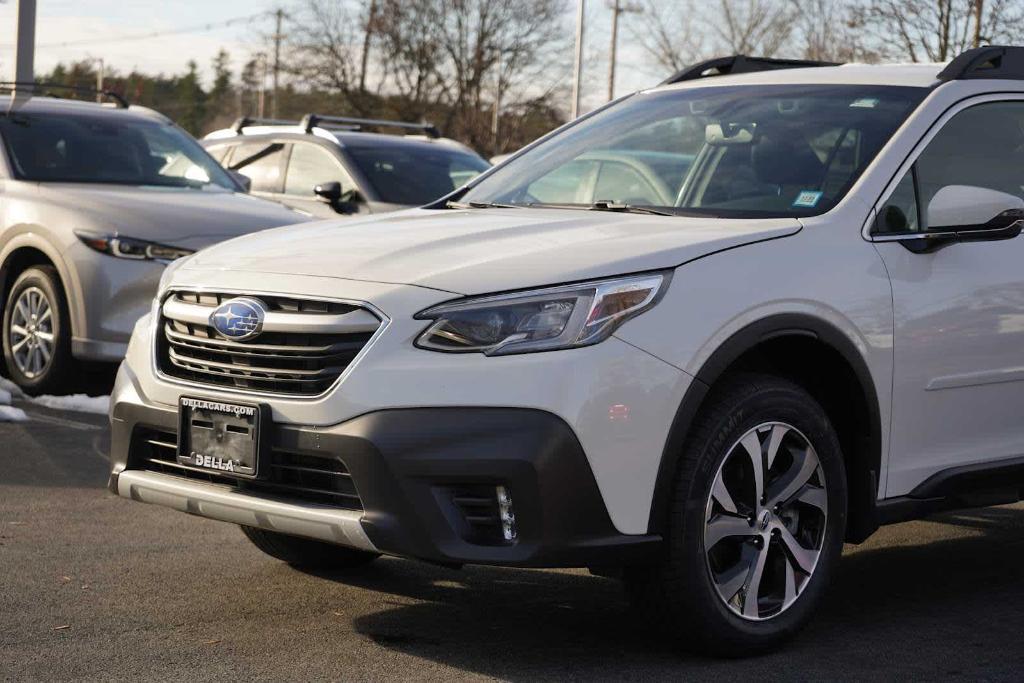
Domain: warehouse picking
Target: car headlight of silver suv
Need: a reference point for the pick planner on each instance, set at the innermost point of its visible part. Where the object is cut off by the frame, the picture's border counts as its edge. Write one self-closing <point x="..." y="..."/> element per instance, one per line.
<point x="540" y="320"/>
<point x="131" y="248"/>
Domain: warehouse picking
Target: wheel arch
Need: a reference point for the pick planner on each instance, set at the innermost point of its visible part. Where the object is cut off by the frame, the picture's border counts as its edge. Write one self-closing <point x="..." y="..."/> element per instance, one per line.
<point x="825" y="362"/>
<point x="25" y="251"/>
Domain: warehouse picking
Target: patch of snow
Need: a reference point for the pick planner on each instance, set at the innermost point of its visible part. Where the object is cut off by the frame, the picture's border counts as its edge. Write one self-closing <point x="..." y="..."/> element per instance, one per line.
<point x="5" y="398"/>
<point x="78" y="402"/>
<point x="10" y="387"/>
<point x="12" y="414"/>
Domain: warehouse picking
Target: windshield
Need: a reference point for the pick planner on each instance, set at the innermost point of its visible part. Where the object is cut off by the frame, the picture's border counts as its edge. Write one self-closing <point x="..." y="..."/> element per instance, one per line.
<point x="732" y="151"/>
<point x="415" y="175"/>
<point x="76" y="148"/>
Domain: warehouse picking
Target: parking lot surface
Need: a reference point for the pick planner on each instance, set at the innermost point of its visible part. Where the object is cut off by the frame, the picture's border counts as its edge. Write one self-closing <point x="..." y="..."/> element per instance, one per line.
<point x="95" y="587"/>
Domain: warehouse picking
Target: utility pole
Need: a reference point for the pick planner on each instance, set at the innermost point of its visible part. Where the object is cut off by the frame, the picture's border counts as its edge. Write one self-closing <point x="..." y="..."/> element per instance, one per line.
<point x="371" y="25"/>
<point x="99" y="79"/>
<point x="617" y="8"/>
<point x="497" y="108"/>
<point x="262" y="56"/>
<point x="577" y="68"/>
<point x="277" y="62"/>
<point x="24" y="60"/>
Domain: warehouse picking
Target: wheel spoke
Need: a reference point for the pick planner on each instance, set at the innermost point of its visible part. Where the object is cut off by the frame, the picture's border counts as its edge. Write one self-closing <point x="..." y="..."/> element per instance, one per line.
<point x="804" y="466"/>
<point x="45" y="336"/>
<point x="45" y="315"/>
<point x="19" y="330"/>
<point x="725" y="526"/>
<point x="44" y="352"/>
<point x="752" y="588"/>
<point x="752" y="445"/>
<point x="775" y="441"/>
<point x="790" y="590"/>
<point x="816" y="496"/>
<point x="721" y="494"/>
<point x="18" y="345"/>
<point x="22" y="309"/>
<point x="803" y="557"/>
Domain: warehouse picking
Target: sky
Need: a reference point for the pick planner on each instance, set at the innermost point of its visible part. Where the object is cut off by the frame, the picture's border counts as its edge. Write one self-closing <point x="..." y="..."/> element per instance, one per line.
<point x="102" y="29"/>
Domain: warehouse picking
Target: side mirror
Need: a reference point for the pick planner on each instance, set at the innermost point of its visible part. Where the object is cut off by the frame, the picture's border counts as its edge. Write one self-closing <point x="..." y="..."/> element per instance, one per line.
<point x="965" y="213"/>
<point x="242" y="179"/>
<point x="330" y="192"/>
<point x="963" y="207"/>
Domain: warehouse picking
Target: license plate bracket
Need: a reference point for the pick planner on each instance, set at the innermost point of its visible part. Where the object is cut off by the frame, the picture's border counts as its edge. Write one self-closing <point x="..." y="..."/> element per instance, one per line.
<point x="221" y="437"/>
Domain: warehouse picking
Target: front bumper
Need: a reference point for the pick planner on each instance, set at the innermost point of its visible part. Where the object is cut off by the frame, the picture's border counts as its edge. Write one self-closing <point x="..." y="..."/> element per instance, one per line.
<point x="410" y="468"/>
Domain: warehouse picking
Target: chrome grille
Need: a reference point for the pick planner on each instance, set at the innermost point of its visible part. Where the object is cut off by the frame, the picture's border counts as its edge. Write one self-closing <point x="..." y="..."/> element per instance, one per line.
<point x="303" y="349"/>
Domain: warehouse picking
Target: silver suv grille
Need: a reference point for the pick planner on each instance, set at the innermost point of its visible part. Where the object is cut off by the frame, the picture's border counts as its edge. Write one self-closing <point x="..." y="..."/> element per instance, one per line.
<point x="303" y="349"/>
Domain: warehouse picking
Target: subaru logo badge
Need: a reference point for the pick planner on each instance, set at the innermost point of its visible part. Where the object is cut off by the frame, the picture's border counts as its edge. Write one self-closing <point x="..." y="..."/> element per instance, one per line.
<point x="239" y="319"/>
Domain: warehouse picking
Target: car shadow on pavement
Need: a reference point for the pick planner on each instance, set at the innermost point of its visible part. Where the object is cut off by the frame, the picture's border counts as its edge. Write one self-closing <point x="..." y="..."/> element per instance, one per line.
<point x="913" y="600"/>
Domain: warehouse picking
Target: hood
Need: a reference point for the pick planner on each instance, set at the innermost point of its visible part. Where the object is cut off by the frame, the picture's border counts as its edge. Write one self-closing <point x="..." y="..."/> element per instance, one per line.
<point x="476" y="251"/>
<point x="179" y="217"/>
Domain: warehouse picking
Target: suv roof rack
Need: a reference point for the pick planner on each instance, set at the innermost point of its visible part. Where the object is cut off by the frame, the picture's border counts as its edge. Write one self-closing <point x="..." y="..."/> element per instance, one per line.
<point x="739" y="64"/>
<point x="992" y="61"/>
<point x="11" y="86"/>
<point x="311" y="121"/>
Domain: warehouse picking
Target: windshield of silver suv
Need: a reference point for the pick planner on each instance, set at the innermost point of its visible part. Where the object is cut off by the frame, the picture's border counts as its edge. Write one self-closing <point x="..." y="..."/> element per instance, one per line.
<point x="731" y="151"/>
<point x="88" y="148"/>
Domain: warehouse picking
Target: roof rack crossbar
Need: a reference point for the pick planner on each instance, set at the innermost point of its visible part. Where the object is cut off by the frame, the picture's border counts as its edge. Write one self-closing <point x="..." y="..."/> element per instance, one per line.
<point x="11" y="86"/>
<point x="309" y="121"/>
<point x="739" y="64"/>
<point x="991" y="61"/>
<point x="246" y="121"/>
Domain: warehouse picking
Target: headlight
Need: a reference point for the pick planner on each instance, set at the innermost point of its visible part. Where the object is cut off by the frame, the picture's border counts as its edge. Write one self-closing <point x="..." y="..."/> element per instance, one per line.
<point x="130" y="248"/>
<point x="540" y="320"/>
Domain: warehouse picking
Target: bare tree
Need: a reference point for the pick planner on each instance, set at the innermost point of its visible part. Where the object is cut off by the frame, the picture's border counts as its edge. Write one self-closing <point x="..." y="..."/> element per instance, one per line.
<point x="326" y="43"/>
<point x="937" y="30"/>
<point x="668" y="32"/>
<point x="827" y="31"/>
<point x="753" y="27"/>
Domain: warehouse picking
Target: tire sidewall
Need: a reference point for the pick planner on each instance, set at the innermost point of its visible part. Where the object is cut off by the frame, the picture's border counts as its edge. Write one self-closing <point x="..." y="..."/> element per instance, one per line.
<point x="776" y="402"/>
<point x="56" y="372"/>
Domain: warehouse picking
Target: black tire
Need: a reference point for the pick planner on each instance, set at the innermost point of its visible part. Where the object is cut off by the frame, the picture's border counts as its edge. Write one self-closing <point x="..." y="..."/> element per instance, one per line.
<point x="58" y="373"/>
<point x="305" y="553"/>
<point x="678" y="592"/>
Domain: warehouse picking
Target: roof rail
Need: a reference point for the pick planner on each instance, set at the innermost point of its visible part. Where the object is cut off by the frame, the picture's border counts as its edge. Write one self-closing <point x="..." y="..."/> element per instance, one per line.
<point x="309" y="121"/>
<point x="246" y="121"/>
<point x="11" y="86"/>
<point x="992" y="61"/>
<point x="739" y="64"/>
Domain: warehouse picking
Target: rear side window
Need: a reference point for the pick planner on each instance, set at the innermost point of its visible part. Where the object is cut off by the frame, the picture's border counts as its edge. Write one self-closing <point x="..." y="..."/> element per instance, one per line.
<point x="219" y="152"/>
<point x="261" y="163"/>
<point x="311" y="165"/>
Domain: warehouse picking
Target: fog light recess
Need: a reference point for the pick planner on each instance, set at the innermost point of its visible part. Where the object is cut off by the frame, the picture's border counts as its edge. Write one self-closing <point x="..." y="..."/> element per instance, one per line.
<point x="508" y="517"/>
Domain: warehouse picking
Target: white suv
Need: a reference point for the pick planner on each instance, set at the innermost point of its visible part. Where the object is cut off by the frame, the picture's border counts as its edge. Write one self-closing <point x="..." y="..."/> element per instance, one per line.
<point x="697" y="338"/>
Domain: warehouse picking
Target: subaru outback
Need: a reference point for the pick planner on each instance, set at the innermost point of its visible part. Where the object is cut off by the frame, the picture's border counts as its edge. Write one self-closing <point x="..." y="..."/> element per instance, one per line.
<point x="697" y="339"/>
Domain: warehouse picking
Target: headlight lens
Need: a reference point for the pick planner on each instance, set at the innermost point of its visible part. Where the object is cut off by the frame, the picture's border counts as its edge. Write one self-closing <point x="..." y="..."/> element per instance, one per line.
<point x="130" y="248"/>
<point x="541" y="320"/>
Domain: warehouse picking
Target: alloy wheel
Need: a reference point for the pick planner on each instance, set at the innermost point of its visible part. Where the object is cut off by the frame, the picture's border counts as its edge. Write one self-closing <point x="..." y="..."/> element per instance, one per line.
<point x="765" y="521"/>
<point x="30" y="333"/>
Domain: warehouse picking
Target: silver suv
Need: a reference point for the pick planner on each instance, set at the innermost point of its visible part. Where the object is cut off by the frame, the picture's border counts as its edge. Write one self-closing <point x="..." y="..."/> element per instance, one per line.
<point x="94" y="201"/>
<point x="333" y="166"/>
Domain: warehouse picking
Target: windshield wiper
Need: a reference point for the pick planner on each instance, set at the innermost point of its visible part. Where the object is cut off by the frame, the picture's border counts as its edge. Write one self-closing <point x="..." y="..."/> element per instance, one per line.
<point x="611" y="206"/>
<point x="482" y="205"/>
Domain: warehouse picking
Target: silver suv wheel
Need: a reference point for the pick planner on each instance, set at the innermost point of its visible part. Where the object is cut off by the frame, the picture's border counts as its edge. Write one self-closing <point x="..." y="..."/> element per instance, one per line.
<point x="31" y="332"/>
<point x="765" y="521"/>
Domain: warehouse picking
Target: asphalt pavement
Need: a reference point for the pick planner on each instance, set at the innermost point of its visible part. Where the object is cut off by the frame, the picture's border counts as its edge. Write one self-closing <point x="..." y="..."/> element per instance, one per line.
<point x="93" y="587"/>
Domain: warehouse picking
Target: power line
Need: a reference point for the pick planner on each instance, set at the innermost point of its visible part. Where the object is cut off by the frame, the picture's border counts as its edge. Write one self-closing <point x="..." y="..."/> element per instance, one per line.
<point x="199" y="28"/>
